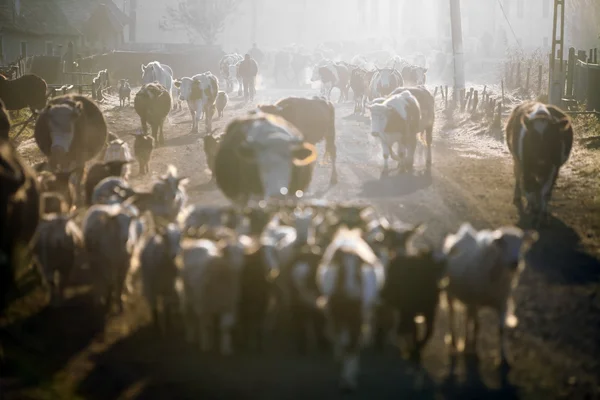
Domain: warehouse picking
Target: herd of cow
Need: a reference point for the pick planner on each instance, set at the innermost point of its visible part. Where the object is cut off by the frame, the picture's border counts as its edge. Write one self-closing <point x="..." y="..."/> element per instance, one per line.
<point x="341" y="269"/>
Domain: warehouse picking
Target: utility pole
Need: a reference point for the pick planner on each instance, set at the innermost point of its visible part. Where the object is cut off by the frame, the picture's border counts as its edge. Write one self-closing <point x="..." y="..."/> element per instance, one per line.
<point x="457" y="49"/>
<point x="556" y="77"/>
<point x="254" y="19"/>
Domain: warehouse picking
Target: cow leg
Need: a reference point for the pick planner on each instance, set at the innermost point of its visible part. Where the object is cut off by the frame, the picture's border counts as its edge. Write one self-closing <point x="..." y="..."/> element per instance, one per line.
<point x="410" y="149"/>
<point x="227" y="322"/>
<point x="429" y="327"/>
<point x="350" y="359"/>
<point x="428" y="141"/>
<point x="502" y="340"/>
<point x="451" y="321"/>
<point x="386" y="156"/>
<point x="161" y="133"/>
<point x="547" y="191"/>
<point x="517" y="193"/>
<point x="208" y="119"/>
<point x="205" y="330"/>
<point x="331" y="149"/>
<point x="471" y="336"/>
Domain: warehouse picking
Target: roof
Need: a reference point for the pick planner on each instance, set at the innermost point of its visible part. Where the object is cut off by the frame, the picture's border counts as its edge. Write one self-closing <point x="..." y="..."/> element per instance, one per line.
<point x="79" y="12"/>
<point x="100" y="18"/>
<point x="37" y="17"/>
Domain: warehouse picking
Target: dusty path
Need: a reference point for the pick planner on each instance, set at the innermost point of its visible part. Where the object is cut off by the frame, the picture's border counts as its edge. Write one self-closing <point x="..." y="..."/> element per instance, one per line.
<point x="555" y="350"/>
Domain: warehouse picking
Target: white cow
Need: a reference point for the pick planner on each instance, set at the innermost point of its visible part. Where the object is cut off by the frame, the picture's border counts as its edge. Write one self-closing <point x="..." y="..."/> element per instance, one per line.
<point x="228" y="67"/>
<point x="200" y="92"/>
<point x="163" y="74"/>
<point x="396" y="120"/>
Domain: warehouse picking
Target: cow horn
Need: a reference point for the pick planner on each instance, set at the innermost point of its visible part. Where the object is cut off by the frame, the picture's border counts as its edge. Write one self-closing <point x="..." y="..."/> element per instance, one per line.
<point x="308" y="159"/>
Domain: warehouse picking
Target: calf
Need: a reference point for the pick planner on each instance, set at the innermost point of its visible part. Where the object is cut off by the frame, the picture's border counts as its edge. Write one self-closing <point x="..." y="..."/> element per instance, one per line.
<point x="221" y="102"/>
<point x="314" y="118"/>
<point x="483" y="268"/>
<point x="58" y="248"/>
<point x="153" y="103"/>
<point x="332" y="75"/>
<point x="97" y="172"/>
<point x="26" y="91"/>
<point x="357" y="84"/>
<point x="109" y="235"/>
<point x="304" y="292"/>
<point x="412" y="287"/>
<point x="210" y="286"/>
<point x="263" y="155"/>
<point x="124" y="92"/>
<point x="427" y="107"/>
<point x="540" y="139"/>
<point x="153" y="264"/>
<point x="396" y="120"/>
<point x="142" y="148"/>
<point x="19" y="217"/>
<point x="350" y="278"/>
<point x="70" y="131"/>
<point x="200" y="92"/>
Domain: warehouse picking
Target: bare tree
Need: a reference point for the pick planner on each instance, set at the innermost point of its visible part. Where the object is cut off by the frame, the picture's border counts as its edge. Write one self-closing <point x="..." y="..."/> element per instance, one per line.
<point x="201" y="19"/>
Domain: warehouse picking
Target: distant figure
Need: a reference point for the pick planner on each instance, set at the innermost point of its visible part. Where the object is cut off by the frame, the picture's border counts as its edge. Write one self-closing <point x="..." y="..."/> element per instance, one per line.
<point x="256" y="54"/>
<point x="248" y="71"/>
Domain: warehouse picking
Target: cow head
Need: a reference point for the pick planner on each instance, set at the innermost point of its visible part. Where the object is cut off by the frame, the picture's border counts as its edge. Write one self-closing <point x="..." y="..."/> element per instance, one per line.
<point x="380" y="114"/>
<point x="148" y="74"/>
<point x="545" y="133"/>
<point x="185" y="88"/>
<point x="62" y="119"/>
<point x="275" y="147"/>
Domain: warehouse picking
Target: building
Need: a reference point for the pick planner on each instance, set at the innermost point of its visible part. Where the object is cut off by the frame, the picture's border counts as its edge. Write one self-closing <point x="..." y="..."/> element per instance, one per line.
<point x="31" y="27"/>
<point x="100" y="22"/>
<point x="46" y="27"/>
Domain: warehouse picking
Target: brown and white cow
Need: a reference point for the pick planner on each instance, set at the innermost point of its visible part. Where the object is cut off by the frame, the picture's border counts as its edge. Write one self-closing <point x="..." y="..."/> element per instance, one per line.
<point x="200" y="92"/>
<point x="349" y="278"/>
<point x="396" y="120"/>
<point x="540" y="139"/>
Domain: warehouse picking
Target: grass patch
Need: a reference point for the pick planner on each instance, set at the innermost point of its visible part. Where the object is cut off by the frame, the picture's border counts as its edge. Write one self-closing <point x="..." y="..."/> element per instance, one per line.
<point x="19" y="117"/>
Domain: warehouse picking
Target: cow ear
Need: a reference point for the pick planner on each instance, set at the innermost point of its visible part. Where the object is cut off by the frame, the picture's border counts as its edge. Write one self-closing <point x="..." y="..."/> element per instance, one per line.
<point x="563" y="124"/>
<point x="143" y="68"/>
<point x="177" y="83"/>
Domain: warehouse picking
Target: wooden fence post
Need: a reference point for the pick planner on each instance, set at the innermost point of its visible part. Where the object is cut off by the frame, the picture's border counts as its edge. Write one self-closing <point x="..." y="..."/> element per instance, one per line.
<point x="475" y="101"/>
<point x="502" y="91"/>
<point x="570" y="73"/>
<point x="527" y="79"/>
<point x="446" y="97"/>
<point x="518" y="76"/>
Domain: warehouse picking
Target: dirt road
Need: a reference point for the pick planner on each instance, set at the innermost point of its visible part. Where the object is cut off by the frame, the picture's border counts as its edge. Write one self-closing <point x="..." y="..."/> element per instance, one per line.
<point x="555" y="349"/>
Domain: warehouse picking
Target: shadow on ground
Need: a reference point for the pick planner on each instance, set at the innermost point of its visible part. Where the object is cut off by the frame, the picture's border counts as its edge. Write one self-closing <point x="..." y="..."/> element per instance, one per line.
<point x="396" y="185"/>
